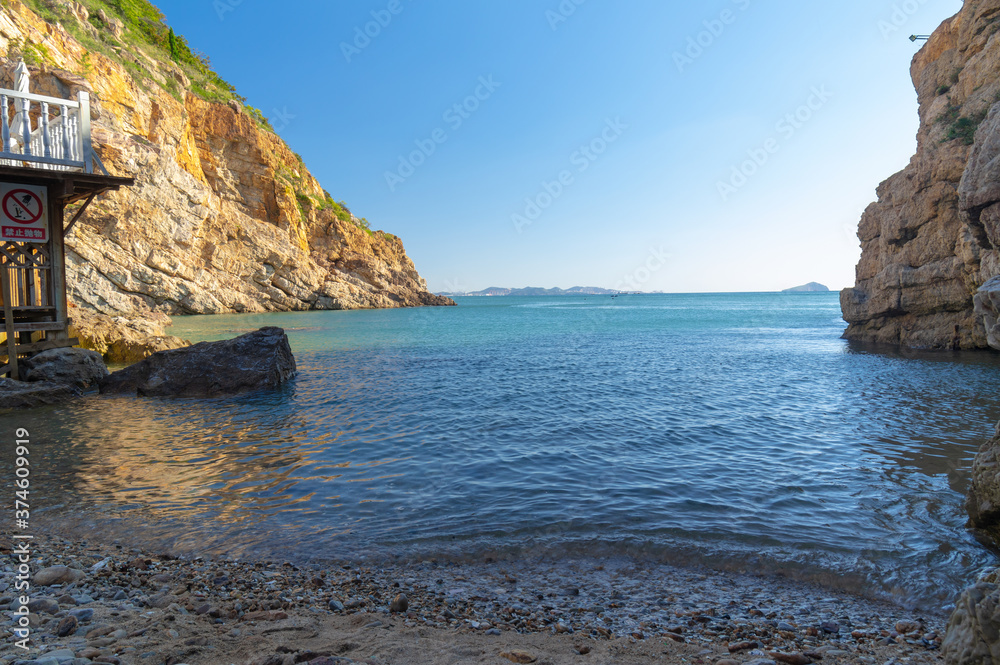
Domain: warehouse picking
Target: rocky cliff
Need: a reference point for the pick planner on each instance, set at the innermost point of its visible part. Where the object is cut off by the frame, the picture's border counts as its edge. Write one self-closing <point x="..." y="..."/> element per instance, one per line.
<point x="932" y="238"/>
<point x="224" y="217"/>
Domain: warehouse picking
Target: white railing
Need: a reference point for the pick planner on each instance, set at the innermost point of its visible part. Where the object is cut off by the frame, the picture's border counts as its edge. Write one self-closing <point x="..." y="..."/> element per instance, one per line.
<point x="60" y="138"/>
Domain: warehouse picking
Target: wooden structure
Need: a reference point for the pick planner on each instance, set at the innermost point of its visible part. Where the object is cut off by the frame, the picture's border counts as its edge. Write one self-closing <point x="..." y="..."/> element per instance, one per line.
<point x="47" y="162"/>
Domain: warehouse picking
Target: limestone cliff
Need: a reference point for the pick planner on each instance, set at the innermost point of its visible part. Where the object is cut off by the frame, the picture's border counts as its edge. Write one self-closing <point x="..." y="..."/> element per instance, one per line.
<point x="224" y="217"/>
<point x="932" y="238"/>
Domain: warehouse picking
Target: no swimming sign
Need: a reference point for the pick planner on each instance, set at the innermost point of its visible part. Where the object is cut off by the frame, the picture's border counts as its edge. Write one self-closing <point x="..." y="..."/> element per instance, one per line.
<point x="24" y="215"/>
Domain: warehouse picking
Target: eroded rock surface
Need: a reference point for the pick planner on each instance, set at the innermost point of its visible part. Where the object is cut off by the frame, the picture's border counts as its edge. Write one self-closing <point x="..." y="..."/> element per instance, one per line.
<point x="24" y="395"/>
<point x="973" y="635"/>
<point x="983" y="499"/>
<point x="223" y="217"/>
<point x="82" y="368"/>
<point x="261" y="359"/>
<point x="120" y="340"/>
<point x="930" y="241"/>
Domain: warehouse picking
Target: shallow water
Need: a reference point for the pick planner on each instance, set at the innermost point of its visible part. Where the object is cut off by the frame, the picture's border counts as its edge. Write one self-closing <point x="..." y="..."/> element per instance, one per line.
<point x="737" y="431"/>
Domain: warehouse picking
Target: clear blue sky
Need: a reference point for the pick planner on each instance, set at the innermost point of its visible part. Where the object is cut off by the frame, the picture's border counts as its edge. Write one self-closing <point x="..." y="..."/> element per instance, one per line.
<point x="644" y="201"/>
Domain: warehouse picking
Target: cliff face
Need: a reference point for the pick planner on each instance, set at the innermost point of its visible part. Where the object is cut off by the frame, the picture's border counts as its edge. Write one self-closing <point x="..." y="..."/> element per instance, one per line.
<point x="224" y="217"/>
<point x="932" y="238"/>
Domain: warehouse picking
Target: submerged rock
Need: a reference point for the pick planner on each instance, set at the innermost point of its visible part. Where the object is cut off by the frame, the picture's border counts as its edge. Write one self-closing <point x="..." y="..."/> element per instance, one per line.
<point x="261" y="359"/>
<point x="24" y="395"/>
<point x="76" y="367"/>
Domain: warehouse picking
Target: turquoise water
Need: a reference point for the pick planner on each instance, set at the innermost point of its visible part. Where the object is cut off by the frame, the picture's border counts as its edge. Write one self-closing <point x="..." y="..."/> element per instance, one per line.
<point x="737" y="431"/>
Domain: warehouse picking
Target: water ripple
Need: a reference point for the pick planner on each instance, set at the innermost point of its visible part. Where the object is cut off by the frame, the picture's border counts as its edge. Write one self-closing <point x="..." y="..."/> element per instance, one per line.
<point x="736" y="430"/>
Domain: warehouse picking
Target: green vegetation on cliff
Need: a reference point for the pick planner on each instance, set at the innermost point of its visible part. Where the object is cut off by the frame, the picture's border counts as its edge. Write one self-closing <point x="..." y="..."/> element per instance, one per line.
<point x="145" y="43"/>
<point x="144" y="28"/>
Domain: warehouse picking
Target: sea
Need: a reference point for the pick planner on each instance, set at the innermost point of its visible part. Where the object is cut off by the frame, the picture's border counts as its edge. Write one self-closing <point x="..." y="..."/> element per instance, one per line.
<point x="735" y="432"/>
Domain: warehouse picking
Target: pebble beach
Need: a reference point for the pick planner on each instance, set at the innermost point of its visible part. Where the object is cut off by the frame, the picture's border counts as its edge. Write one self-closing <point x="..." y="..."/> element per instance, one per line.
<point x="107" y="603"/>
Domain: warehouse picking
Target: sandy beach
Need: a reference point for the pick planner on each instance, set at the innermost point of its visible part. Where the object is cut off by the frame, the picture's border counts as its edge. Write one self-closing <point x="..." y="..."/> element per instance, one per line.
<point x="131" y="606"/>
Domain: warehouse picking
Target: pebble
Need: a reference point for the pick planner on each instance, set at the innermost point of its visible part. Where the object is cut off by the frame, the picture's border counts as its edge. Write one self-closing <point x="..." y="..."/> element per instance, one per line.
<point x="66" y="626"/>
<point x="791" y="658"/>
<point x="399" y="604"/>
<point x="57" y="575"/>
<point x="82" y="614"/>
<point x="759" y="620"/>
<point x="46" y="605"/>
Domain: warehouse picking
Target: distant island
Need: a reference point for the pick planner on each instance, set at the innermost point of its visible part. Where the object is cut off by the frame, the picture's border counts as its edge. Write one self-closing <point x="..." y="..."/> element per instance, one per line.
<point x="811" y="287"/>
<point x="539" y="291"/>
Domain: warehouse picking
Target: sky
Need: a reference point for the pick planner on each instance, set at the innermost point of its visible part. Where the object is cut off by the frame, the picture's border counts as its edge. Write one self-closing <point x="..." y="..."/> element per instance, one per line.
<point x="727" y="145"/>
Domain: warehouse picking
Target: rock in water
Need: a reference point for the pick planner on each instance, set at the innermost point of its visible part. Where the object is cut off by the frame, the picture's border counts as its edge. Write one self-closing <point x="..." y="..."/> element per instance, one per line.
<point x="261" y="359"/>
<point x="983" y="500"/>
<point x="76" y="367"/>
<point x="24" y="395"/>
<point x="121" y="340"/>
<point x="973" y="636"/>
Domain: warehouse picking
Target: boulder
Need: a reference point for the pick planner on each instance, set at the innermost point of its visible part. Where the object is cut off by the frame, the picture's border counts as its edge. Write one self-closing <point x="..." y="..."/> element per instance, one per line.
<point x="24" y="395"/>
<point x="983" y="500"/>
<point x="58" y="575"/>
<point x="122" y="340"/>
<point x="973" y="635"/>
<point x="261" y="359"/>
<point x="114" y="26"/>
<point x="76" y="367"/>
<point x="987" y="302"/>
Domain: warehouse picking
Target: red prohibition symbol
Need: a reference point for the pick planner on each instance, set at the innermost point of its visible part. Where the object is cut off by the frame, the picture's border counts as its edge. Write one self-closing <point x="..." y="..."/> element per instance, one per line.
<point x="22" y="206"/>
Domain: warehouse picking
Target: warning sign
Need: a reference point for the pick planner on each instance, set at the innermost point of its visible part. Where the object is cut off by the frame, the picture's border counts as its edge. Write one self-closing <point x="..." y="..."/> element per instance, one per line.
<point x="24" y="216"/>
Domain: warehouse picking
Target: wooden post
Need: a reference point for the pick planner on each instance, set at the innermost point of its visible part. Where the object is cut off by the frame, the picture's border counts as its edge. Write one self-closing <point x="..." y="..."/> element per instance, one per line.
<point x="8" y="319"/>
<point x="58" y="252"/>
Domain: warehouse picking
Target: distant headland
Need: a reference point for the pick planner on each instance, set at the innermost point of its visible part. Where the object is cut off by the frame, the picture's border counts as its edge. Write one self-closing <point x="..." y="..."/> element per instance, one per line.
<point x="539" y="291"/>
<point x="811" y="287"/>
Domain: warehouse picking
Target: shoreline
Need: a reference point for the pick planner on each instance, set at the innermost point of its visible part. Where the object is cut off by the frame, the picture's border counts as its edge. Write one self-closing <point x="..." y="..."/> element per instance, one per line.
<point x="209" y="611"/>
